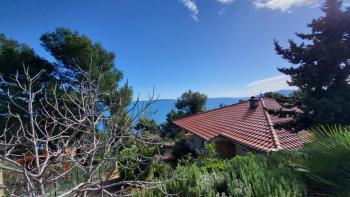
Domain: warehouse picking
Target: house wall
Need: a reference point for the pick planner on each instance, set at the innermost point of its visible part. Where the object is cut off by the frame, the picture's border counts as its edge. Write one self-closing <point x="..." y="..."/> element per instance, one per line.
<point x="225" y="149"/>
<point x="241" y="150"/>
<point x="198" y="142"/>
<point x="195" y="142"/>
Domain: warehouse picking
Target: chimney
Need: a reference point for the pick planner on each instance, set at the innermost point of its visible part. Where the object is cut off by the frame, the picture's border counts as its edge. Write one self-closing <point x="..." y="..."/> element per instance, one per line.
<point x="254" y="102"/>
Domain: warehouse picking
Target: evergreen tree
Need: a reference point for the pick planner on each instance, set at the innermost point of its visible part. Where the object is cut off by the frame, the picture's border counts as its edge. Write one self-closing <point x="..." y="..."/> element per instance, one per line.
<point x="76" y="54"/>
<point x="274" y="95"/>
<point x="191" y="102"/>
<point x="147" y="125"/>
<point x="322" y="69"/>
<point x="188" y="103"/>
<point x="221" y="105"/>
<point x="241" y="100"/>
<point x="14" y="58"/>
<point x="168" y="128"/>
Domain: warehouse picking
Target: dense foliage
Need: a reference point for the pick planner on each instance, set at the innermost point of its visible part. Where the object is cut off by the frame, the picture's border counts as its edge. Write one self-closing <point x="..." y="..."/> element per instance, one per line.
<point x="274" y="95"/>
<point x="191" y="102"/>
<point x="253" y="175"/>
<point x="147" y="125"/>
<point x="13" y="56"/>
<point x="321" y="168"/>
<point x="327" y="162"/>
<point x="188" y="103"/>
<point x="322" y="76"/>
<point x="321" y="69"/>
<point x="78" y="97"/>
<point x="76" y="54"/>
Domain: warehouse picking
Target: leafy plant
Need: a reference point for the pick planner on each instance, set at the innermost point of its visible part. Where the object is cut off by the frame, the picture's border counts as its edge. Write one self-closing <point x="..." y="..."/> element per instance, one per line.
<point x="209" y="159"/>
<point x="327" y="161"/>
<point x="253" y="175"/>
<point x="260" y="175"/>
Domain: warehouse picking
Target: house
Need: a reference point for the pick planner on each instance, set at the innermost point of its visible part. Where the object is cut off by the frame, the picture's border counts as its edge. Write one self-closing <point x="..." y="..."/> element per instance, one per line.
<point x="240" y="128"/>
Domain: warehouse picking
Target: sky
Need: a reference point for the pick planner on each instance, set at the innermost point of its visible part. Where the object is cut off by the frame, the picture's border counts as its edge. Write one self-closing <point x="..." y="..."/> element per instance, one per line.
<point x="223" y="48"/>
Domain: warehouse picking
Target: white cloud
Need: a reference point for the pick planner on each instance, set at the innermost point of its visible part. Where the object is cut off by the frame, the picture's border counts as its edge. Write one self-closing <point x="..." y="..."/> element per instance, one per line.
<point x="265" y="85"/>
<point x="268" y="80"/>
<point x="225" y="2"/>
<point x="192" y="7"/>
<point x="282" y="5"/>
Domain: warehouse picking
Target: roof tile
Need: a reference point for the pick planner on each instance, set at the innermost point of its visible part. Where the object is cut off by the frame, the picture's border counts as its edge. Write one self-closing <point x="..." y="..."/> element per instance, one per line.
<point x="240" y="123"/>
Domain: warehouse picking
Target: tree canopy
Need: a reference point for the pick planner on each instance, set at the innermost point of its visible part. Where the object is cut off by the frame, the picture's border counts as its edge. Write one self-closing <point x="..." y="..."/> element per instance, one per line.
<point x="321" y="68"/>
<point x="191" y="102"/>
<point x="76" y="55"/>
<point x="188" y="103"/>
<point x="147" y="125"/>
<point x="13" y="57"/>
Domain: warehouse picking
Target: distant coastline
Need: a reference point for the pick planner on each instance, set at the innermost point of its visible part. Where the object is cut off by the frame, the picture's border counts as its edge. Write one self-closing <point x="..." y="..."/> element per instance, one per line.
<point x="161" y="107"/>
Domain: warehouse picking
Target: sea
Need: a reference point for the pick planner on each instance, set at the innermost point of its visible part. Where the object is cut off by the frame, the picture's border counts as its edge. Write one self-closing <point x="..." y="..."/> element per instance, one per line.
<point x="158" y="109"/>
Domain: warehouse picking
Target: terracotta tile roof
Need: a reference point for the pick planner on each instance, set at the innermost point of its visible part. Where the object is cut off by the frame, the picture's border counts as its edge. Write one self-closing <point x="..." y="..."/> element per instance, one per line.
<point x="250" y="127"/>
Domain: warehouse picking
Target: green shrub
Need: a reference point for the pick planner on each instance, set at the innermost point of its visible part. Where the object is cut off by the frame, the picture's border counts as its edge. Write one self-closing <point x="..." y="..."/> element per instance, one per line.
<point x="259" y="175"/>
<point x="128" y="163"/>
<point x="135" y="160"/>
<point x="157" y="170"/>
<point x="253" y="175"/>
<point x="187" y="181"/>
<point x="210" y="161"/>
<point x="181" y="150"/>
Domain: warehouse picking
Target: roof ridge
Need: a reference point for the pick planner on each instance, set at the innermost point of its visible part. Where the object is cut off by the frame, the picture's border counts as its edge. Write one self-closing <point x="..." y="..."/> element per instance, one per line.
<point x="234" y="104"/>
<point x="275" y="139"/>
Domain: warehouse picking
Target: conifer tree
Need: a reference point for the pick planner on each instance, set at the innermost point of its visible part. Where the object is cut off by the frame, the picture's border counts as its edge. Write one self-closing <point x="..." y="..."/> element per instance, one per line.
<point x="77" y="54"/>
<point x="321" y="69"/>
<point x="14" y="58"/>
<point x="188" y="103"/>
<point x="191" y="102"/>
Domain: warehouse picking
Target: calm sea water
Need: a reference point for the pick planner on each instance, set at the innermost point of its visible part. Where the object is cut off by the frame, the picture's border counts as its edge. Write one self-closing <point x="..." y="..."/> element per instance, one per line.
<point x="161" y="108"/>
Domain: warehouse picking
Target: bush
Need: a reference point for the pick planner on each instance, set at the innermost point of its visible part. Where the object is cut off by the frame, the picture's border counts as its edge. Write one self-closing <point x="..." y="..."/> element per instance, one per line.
<point x="209" y="160"/>
<point x="181" y="150"/>
<point x="259" y="175"/>
<point x="157" y="170"/>
<point x="188" y="181"/>
<point x="253" y="175"/>
<point x="134" y="167"/>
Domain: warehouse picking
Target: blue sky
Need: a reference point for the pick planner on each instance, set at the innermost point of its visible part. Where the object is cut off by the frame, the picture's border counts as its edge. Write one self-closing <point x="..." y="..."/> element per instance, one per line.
<point x="220" y="47"/>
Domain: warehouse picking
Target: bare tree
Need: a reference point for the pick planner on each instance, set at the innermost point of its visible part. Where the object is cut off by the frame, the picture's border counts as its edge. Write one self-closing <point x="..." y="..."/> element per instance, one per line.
<point x="70" y="144"/>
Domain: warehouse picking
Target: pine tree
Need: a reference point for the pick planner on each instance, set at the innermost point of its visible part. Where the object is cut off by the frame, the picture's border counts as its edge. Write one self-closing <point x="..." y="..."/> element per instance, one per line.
<point x="322" y="69"/>
<point x="191" y="102"/>
<point x="188" y="103"/>
<point x="76" y="54"/>
<point x="14" y="58"/>
<point x="146" y="125"/>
